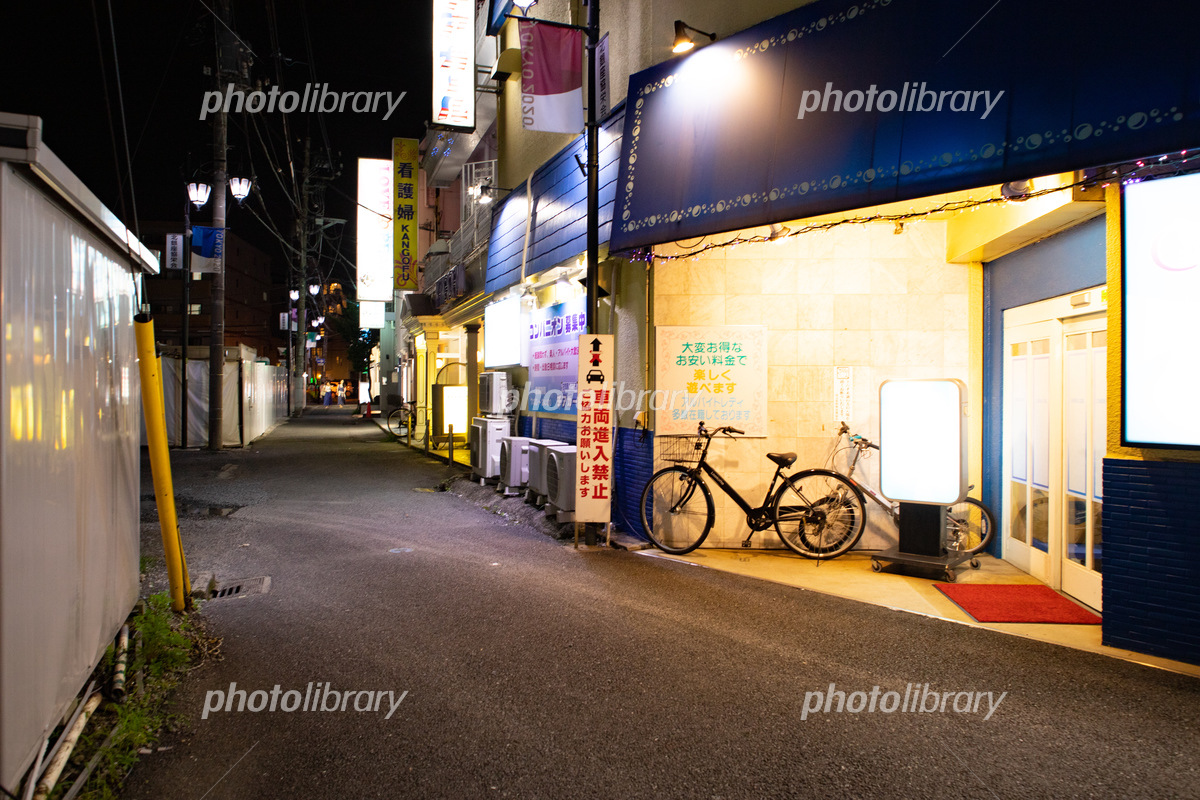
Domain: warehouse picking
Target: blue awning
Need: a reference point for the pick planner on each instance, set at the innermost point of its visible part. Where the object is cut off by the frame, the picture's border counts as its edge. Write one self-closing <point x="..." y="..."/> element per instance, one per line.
<point x="841" y="105"/>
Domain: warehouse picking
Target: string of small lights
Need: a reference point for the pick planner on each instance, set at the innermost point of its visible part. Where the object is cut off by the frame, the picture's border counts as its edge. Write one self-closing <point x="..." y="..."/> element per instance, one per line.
<point x="1125" y="173"/>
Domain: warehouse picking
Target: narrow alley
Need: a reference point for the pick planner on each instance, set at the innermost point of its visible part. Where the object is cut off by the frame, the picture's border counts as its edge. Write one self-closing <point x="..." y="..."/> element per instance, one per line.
<point x="442" y="650"/>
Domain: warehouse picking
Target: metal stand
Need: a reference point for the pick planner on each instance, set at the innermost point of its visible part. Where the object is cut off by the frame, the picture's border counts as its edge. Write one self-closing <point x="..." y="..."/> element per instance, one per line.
<point x="922" y="542"/>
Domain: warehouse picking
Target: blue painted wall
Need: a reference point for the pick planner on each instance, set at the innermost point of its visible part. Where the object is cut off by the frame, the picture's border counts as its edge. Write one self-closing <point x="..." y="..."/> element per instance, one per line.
<point x="1067" y="262"/>
<point x="1152" y="558"/>
<point x="559" y="229"/>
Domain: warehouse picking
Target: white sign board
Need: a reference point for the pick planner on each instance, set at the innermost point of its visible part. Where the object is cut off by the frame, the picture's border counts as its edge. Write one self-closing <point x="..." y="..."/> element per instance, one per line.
<point x="716" y="375"/>
<point x="174" y="251"/>
<point x="375" y="229"/>
<point x="843" y="394"/>
<point x="594" y="432"/>
<point x="922" y="441"/>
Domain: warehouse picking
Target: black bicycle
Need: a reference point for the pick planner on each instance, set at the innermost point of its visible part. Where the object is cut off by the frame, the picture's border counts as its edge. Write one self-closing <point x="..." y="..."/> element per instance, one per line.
<point x="817" y="512"/>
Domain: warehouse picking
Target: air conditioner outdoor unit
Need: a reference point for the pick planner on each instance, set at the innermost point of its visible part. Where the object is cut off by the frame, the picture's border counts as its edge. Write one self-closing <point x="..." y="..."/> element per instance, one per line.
<point x="514" y="464"/>
<point x="538" y="454"/>
<point x="560" y="482"/>
<point x="493" y="393"/>
<point x="485" y="445"/>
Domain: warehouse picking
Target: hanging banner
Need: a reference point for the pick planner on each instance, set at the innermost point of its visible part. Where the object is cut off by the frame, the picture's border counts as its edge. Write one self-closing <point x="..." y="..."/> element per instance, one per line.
<point x="716" y="375"/>
<point x="553" y="356"/>
<point x="404" y="231"/>
<point x="845" y="104"/>
<point x="593" y="433"/>
<point x="208" y="249"/>
<point x="375" y="257"/>
<point x="551" y="78"/>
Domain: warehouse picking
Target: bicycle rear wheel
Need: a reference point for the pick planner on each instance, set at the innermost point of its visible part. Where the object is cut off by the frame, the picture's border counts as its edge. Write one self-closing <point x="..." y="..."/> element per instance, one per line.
<point x="819" y="513"/>
<point x="677" y="510"/>
<point x="969" y="526"/>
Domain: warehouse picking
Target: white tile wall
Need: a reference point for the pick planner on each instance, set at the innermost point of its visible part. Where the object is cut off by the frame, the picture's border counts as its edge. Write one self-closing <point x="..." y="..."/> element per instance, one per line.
<point x="862" y="296"/>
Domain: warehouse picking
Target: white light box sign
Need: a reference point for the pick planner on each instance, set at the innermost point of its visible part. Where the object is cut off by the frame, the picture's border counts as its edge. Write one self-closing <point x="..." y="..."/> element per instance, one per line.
<point x="922" y="441"/>
<point x="502" y="333"/>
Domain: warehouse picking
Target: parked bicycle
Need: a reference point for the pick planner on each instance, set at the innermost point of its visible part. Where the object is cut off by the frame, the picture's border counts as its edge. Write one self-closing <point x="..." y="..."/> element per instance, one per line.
<point x="969" y="524"/>
<point x="402" y="419"/>
<point x="814" y="512"/>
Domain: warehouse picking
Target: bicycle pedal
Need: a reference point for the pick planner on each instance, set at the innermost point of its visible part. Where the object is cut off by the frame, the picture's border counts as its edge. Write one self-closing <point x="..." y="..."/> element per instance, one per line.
<point x="746" y="543"/>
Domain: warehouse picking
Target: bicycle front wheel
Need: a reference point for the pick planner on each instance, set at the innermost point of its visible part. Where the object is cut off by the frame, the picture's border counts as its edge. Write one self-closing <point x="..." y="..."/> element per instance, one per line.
<point x="969" y="526"/>
<point x="819" y="513"/>
<point x="677" y="510"/>
<point x="399" y="421"/>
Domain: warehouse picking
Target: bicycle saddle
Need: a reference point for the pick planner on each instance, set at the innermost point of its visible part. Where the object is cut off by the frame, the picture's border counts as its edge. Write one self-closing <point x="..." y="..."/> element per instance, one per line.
<point x="782" y="459"/>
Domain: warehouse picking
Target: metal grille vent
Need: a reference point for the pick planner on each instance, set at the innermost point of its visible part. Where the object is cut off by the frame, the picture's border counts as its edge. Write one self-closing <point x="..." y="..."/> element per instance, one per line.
<point x="505" y="459"/>
<point x="552" y="477"/>
<point x="243" y="587"/>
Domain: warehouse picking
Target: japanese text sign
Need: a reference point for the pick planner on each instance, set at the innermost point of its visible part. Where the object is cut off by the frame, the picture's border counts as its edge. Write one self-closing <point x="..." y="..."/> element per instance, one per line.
<point x="716" y="375"/>
<point x="593" y="438"/>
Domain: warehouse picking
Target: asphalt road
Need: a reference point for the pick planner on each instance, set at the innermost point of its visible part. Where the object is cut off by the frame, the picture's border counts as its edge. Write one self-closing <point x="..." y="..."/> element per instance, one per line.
<point x="534" y="670"/>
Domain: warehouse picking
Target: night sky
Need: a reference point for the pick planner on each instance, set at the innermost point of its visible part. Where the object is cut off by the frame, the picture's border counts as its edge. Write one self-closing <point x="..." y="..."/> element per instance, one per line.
<point x="56" y="66"/>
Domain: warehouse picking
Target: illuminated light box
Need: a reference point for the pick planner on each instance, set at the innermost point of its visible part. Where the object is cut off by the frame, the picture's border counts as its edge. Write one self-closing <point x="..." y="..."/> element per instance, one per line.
<point x="374" y="232"/>
<point x="1161" y="255"/>
<point x="450" y="409"/>
<point x="370" y="314"/>
<point x="922" y="441"/>
<point x="502" y="333"/>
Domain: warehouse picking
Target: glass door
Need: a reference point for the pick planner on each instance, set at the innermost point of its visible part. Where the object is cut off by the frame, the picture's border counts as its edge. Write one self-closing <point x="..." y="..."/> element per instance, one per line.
<point x="1085" y="350"/>
<point x="1054" y="440"/>
<point x="1031" y="446"/>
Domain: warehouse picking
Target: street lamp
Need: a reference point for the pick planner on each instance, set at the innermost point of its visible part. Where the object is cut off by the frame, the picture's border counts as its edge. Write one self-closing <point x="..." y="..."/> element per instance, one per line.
<point x="198" y="194"/>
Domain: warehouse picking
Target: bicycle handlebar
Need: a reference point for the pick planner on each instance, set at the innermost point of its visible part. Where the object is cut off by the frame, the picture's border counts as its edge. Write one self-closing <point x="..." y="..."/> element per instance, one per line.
<point x="727" y="429"/>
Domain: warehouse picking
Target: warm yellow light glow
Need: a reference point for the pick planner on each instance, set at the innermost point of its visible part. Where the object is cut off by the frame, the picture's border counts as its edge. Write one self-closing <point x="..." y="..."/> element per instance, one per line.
<point x="683" y="45"/>
<point x="454" y="408"/>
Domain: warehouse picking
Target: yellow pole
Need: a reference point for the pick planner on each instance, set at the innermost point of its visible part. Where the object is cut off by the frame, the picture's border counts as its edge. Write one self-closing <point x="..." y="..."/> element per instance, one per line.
<point x="160" y="461"/>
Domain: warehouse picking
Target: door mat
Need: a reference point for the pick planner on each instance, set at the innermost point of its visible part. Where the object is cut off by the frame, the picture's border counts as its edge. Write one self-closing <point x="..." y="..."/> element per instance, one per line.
<point x="1016" y="602"/>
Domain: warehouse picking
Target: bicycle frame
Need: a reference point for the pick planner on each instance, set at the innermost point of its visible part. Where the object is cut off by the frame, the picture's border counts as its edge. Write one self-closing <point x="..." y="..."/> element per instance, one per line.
<point x="756" y="517"/>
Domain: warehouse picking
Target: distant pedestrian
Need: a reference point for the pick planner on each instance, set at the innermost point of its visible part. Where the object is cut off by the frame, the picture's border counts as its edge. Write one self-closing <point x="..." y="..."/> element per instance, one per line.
<point x="328" y="391"/>
<point x="341" y="393"/>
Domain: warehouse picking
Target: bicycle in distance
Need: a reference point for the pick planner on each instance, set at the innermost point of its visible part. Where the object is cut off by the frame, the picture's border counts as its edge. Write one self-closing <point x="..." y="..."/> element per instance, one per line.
<point x="817" y="513"/>
<point x="969" y="524"/>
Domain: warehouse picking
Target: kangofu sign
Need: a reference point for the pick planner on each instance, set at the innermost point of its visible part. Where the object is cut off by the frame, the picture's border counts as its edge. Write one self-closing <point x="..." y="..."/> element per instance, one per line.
<point x="841" y="105"/>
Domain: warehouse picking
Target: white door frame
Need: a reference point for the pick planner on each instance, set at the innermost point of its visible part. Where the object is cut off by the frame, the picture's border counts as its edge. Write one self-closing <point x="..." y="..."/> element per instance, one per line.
<point x="1049" y="321"/>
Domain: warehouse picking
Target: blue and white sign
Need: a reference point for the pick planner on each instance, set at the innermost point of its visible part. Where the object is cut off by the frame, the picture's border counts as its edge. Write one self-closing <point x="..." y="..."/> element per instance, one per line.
<point x="553" y="341"/>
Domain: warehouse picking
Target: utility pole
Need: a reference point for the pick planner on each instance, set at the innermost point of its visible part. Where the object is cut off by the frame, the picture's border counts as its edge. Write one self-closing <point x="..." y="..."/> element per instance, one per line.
<point x="592" y="30"/>
<point x="302" y="271"/>
<point x="216" y="350"/>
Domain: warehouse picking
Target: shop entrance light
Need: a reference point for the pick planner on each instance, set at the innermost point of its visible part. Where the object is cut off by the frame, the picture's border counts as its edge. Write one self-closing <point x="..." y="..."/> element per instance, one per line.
<point x="684" y="42"/>
<point x="525" y="5"/>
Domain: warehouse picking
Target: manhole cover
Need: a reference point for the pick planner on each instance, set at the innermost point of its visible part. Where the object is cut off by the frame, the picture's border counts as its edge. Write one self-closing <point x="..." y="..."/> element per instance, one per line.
<point x="243" y="587"/>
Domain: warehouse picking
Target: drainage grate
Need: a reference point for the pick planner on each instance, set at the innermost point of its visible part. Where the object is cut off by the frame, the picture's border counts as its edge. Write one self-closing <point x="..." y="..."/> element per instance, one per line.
<point x="243" y="587"/>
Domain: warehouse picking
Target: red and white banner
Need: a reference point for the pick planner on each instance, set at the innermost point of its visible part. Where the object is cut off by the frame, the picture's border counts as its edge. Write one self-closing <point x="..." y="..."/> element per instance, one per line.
<point x="551" y="78"/>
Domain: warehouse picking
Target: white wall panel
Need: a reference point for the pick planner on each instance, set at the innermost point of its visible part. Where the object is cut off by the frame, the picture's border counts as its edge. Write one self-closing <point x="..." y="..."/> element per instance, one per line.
<point x="69" y="462"/>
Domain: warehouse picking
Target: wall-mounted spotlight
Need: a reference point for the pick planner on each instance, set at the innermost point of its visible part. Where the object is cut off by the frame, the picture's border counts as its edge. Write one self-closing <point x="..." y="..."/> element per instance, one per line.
<point x="684" y="42"/>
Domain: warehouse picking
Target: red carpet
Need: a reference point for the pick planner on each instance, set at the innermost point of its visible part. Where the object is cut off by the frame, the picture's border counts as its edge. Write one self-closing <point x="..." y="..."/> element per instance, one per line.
<point x="1016" y="602"/>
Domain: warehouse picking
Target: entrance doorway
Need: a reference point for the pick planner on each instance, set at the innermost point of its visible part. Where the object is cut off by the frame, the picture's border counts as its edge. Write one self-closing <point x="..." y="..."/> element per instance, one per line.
<point x="1055" y="417"/>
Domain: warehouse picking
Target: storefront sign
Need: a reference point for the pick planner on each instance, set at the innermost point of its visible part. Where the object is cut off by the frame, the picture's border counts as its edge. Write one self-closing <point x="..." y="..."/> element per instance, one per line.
<point x="454" y="64"/>
<point x="715" y="375"/>
<point x="374" y="229"/>
<point x="844" y="104"/>
<point x="553" y="340"/>
<point x="404" y="231"/>
<point x="593" y="438"/>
